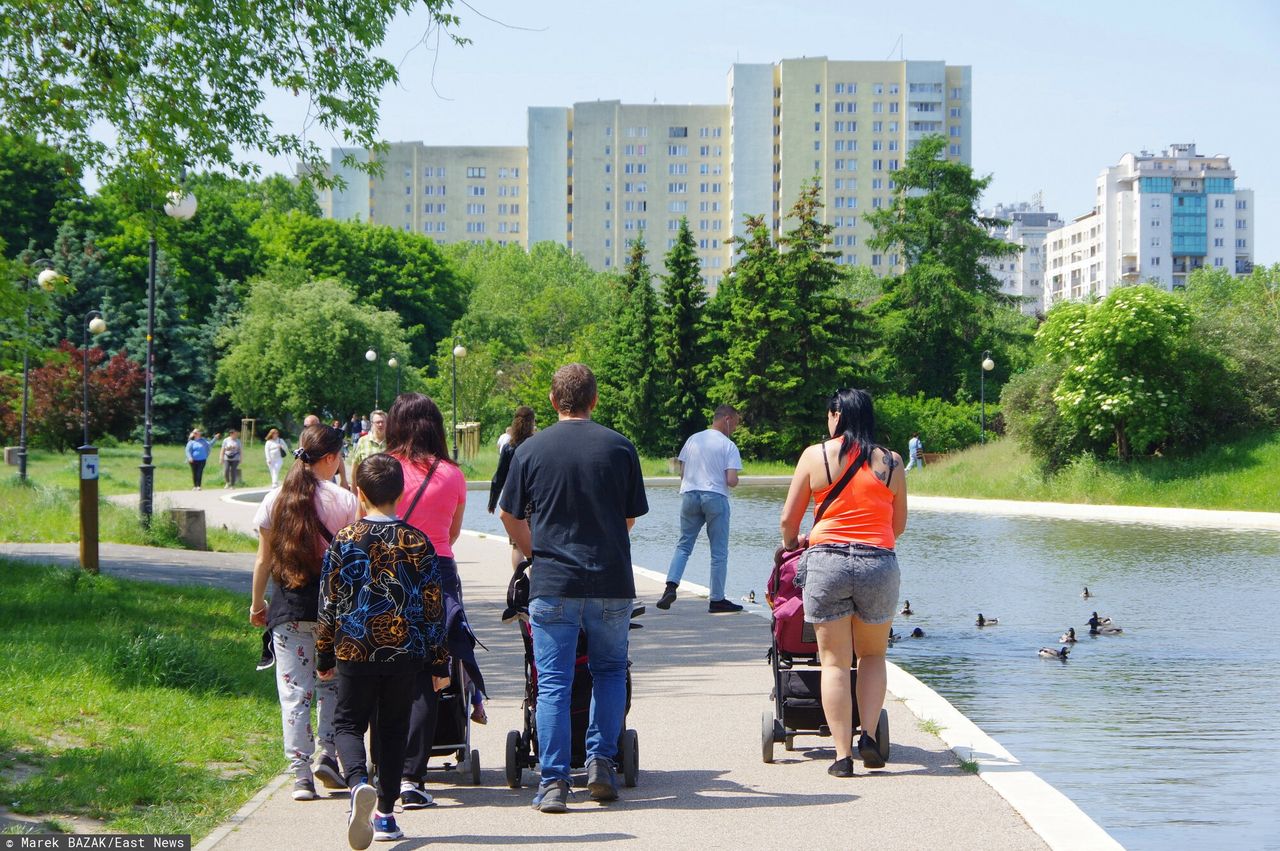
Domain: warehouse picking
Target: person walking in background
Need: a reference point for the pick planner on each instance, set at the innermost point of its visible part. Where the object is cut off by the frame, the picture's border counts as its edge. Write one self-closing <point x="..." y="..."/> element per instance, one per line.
<point x="295" y="523"/>
<point x="435" y="496"/>
<point x="709" y="465"/>
<point x="915" y="451"/>
<point x="586" y="489"/>
<point x="384" y="565"/>
<point x="310" y="420"/>
<point x="849" y="571"/>
<point x="353" y="429"/>
<point x="197" y="453"/>
<point x="229" y="457"/>
<point x="521" y="428"/>
<point x="370" y="444"/>
<point x="275" y="448"/>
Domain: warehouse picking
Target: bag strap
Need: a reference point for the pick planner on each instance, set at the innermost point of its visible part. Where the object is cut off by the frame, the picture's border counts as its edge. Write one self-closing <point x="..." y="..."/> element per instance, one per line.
<point x="840" y="485"/>
<point x="421" y="489"/>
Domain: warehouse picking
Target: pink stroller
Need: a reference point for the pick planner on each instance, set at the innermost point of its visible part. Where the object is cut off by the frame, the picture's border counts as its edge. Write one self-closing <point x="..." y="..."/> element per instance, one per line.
<point x="797" y="675"/>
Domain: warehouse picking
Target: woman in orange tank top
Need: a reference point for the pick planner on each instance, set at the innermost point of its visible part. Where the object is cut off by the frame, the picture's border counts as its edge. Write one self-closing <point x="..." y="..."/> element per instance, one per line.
<point x="849" y="573"/>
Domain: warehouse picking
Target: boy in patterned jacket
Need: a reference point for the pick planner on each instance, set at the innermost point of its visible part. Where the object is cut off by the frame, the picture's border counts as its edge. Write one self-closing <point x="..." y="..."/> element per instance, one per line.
<point x="381" y="620"/>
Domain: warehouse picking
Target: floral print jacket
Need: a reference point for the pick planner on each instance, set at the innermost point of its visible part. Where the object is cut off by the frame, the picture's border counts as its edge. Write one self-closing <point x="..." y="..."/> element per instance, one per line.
<point x="380" y="598"/>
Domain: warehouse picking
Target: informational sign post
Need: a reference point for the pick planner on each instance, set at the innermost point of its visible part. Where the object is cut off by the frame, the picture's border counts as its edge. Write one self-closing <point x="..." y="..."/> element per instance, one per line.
<point x="89" y="508"/>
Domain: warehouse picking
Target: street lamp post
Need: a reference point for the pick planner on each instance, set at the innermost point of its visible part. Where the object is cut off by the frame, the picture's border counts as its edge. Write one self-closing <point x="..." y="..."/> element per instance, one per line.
<point x="182" y="206"/>
<point x="372" y="357"/>
<point x="987" y="365"/>
<point x="45" y="281"/>
<point x="93" y="324"/>
<point x="394" y="363"/>
<point x="459" y="351"/>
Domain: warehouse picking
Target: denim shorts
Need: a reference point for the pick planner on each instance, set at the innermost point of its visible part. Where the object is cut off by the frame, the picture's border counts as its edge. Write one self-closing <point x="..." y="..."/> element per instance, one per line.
<point x="840" y="580"/>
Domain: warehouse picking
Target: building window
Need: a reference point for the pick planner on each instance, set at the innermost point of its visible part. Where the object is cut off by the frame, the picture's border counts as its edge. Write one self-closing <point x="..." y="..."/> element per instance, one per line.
<point x="875" y="259"/>
<point x="956" y="93"/>
<point x="877" y="107"/>
<point x="817" y="107"/>
<point x="1242" y="205"/>
<point x="1242" y="243"/>
<point x="954" y="112"/>
<point x="475" y="171"/>
<point x="475" y="191"/>
<point x="677" y="132"/>
<point x="1155" y="261"/>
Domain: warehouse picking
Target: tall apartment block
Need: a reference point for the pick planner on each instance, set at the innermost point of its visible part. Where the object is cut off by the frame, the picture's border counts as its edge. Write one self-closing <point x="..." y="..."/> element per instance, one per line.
<point x="1023" y="275"/>
<point x="602" y="172"/>
<point x="1156" y="217"/>
<point x="452" y="194"/>
<point x="849" y="124"/>
<point x="596" y="174"/>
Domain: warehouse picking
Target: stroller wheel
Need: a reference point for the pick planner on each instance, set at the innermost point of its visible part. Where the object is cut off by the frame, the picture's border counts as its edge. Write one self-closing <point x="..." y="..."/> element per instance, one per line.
<point x="514" y="768"/>
<point x="630" y="754"/>
<point x="766" y="736"/>
<point x="882" y="735"/>
<point x="475" y="768"/>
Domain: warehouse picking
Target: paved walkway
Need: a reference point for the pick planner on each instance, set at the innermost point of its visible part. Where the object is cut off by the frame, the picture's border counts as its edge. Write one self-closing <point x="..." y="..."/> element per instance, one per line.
<point x="701" y="684"/>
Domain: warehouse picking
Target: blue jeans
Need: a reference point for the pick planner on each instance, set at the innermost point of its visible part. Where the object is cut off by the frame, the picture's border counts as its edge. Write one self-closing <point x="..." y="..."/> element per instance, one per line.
<point x="555" y="622"/>
<point x="699" y="508"/>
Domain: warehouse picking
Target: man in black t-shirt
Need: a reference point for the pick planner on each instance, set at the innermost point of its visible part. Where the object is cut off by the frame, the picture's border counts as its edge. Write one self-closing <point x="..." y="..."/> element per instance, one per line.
<point x="571" y="497"/>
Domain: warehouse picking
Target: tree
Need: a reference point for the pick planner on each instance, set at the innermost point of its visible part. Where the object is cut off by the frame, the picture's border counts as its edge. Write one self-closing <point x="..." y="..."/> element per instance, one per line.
<point x="387" y="269"/>
<point x="115" y="397"/>
<point x="678" y="352"/>
<point x="936" y="315"/>
<point x="298" y="346"/>
<point x="1127" y="369"/>
<point x="184" y="87"/>
<point x="787" y="334"/>
<point x="37" y="183"/>
<point x="628" y="380"/>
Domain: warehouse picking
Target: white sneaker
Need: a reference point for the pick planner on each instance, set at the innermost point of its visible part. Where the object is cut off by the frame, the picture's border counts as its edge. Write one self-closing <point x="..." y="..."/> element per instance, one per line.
<point x="359" y="822"/>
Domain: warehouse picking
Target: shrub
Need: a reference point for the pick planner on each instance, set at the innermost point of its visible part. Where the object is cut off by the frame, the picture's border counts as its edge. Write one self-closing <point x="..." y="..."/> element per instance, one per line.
<point x="943" y="426"/>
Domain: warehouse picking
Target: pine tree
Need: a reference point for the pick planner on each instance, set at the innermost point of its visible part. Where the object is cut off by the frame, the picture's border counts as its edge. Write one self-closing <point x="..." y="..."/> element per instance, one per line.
<point x="628" y="367"/>
<point x="678" y="354"/>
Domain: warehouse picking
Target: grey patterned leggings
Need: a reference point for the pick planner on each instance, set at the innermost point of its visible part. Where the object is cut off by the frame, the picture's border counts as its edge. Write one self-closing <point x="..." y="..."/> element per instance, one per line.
<point x="299" y="687"/>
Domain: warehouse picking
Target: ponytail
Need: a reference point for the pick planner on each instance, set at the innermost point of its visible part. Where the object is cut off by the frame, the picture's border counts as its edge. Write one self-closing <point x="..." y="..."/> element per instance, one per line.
<point x="296" y="528"/>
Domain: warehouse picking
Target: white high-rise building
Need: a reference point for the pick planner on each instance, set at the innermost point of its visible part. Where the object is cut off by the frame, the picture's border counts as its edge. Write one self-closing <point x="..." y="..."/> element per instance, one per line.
<point x="1023" y="274"/>
<point x="1156" y="217"/>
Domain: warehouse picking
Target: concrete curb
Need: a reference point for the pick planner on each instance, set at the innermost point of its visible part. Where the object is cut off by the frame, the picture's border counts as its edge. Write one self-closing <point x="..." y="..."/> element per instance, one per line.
<point x="241" y="815"/>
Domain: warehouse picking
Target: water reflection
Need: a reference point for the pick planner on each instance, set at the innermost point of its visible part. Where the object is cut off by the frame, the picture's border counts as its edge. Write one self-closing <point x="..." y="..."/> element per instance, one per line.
<point x="1164" y="735"/>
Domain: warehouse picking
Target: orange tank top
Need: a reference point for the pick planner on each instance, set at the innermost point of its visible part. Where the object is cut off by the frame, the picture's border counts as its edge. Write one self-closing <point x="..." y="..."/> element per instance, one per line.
<point x="862" y="512"/>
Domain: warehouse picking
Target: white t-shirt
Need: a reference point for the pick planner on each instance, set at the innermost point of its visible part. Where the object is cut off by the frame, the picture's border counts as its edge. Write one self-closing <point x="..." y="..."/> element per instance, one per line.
<point x="503" y="439"/>
<point x="705" y="456"/>
<point x="336" y="506"/>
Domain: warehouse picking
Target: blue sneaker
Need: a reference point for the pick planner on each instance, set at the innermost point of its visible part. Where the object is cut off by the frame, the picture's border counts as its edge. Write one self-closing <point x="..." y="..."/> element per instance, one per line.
<point x="385" y="828"/>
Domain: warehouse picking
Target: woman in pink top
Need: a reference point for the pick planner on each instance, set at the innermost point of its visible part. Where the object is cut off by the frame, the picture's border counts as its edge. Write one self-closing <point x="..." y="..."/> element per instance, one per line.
<point x="435" y="496"/>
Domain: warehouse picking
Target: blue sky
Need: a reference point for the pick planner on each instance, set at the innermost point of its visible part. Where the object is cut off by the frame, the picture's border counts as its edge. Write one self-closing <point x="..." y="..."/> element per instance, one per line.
<point x="1060" y="90"/>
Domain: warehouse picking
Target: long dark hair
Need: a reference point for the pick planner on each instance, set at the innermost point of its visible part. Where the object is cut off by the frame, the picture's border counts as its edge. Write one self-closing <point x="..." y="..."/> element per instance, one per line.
<point x="856" y="426"/>
<point x="521" y="425"/>
<point x="415" y="429"/>
<point x="295" y="523"/>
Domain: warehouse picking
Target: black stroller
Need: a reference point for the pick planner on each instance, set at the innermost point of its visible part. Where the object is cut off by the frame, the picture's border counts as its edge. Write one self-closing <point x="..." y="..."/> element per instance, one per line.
<point x="522" y="745"/>
<point x="797" y="677"/>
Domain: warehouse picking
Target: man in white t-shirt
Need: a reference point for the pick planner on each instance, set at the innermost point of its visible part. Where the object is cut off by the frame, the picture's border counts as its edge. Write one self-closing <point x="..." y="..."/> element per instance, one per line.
<point x="709" y="465"/>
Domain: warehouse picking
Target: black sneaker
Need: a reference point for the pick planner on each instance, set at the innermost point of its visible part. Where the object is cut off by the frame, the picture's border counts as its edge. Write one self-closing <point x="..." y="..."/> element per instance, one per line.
<point x="602" y="783"/>
<point x="552" y="797"/>
<point x="304" y="789"/>
<point x="326" y="771"/>
<point x="869" y="752"/>
<point x="414" y="797"/>
<point x="718" y="606"/>
<point x="668" y="596"/>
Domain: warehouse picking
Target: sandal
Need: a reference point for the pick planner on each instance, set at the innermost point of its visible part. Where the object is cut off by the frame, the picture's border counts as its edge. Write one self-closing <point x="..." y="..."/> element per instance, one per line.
<point x="478" y="714"/>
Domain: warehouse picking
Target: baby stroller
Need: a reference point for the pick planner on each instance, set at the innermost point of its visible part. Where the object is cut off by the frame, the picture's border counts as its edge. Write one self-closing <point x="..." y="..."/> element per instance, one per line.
<point x="522" y="745"/>
<point x="797" y="675"/>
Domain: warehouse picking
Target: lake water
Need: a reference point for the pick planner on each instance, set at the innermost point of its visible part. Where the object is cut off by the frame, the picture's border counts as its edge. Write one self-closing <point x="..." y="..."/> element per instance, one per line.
<point x="1165" y="735"/>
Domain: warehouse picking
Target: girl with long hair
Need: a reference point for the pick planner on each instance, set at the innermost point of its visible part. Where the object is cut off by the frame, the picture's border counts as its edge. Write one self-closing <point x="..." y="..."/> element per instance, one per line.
<point x="522" y="427"/>
<point x="295" y="524"/>
<point x="435" y="496"/>
<point x="849" y="572"/>
<point x="275" y="448"/>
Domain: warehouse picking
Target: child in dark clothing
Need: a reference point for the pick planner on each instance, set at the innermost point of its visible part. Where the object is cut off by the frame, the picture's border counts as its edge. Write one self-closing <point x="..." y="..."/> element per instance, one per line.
<point x="381" y="620"/>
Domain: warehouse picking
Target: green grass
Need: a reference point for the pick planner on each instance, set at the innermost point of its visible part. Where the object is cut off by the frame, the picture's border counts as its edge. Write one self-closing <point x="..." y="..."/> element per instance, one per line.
<point x="928" y="725"/>
<point x="119" y="469"/>
<point x="38" y="513"/>
<point x="131" y="703"/>
<point x="969" y="765"/>
<point x="1236" y="475"/>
